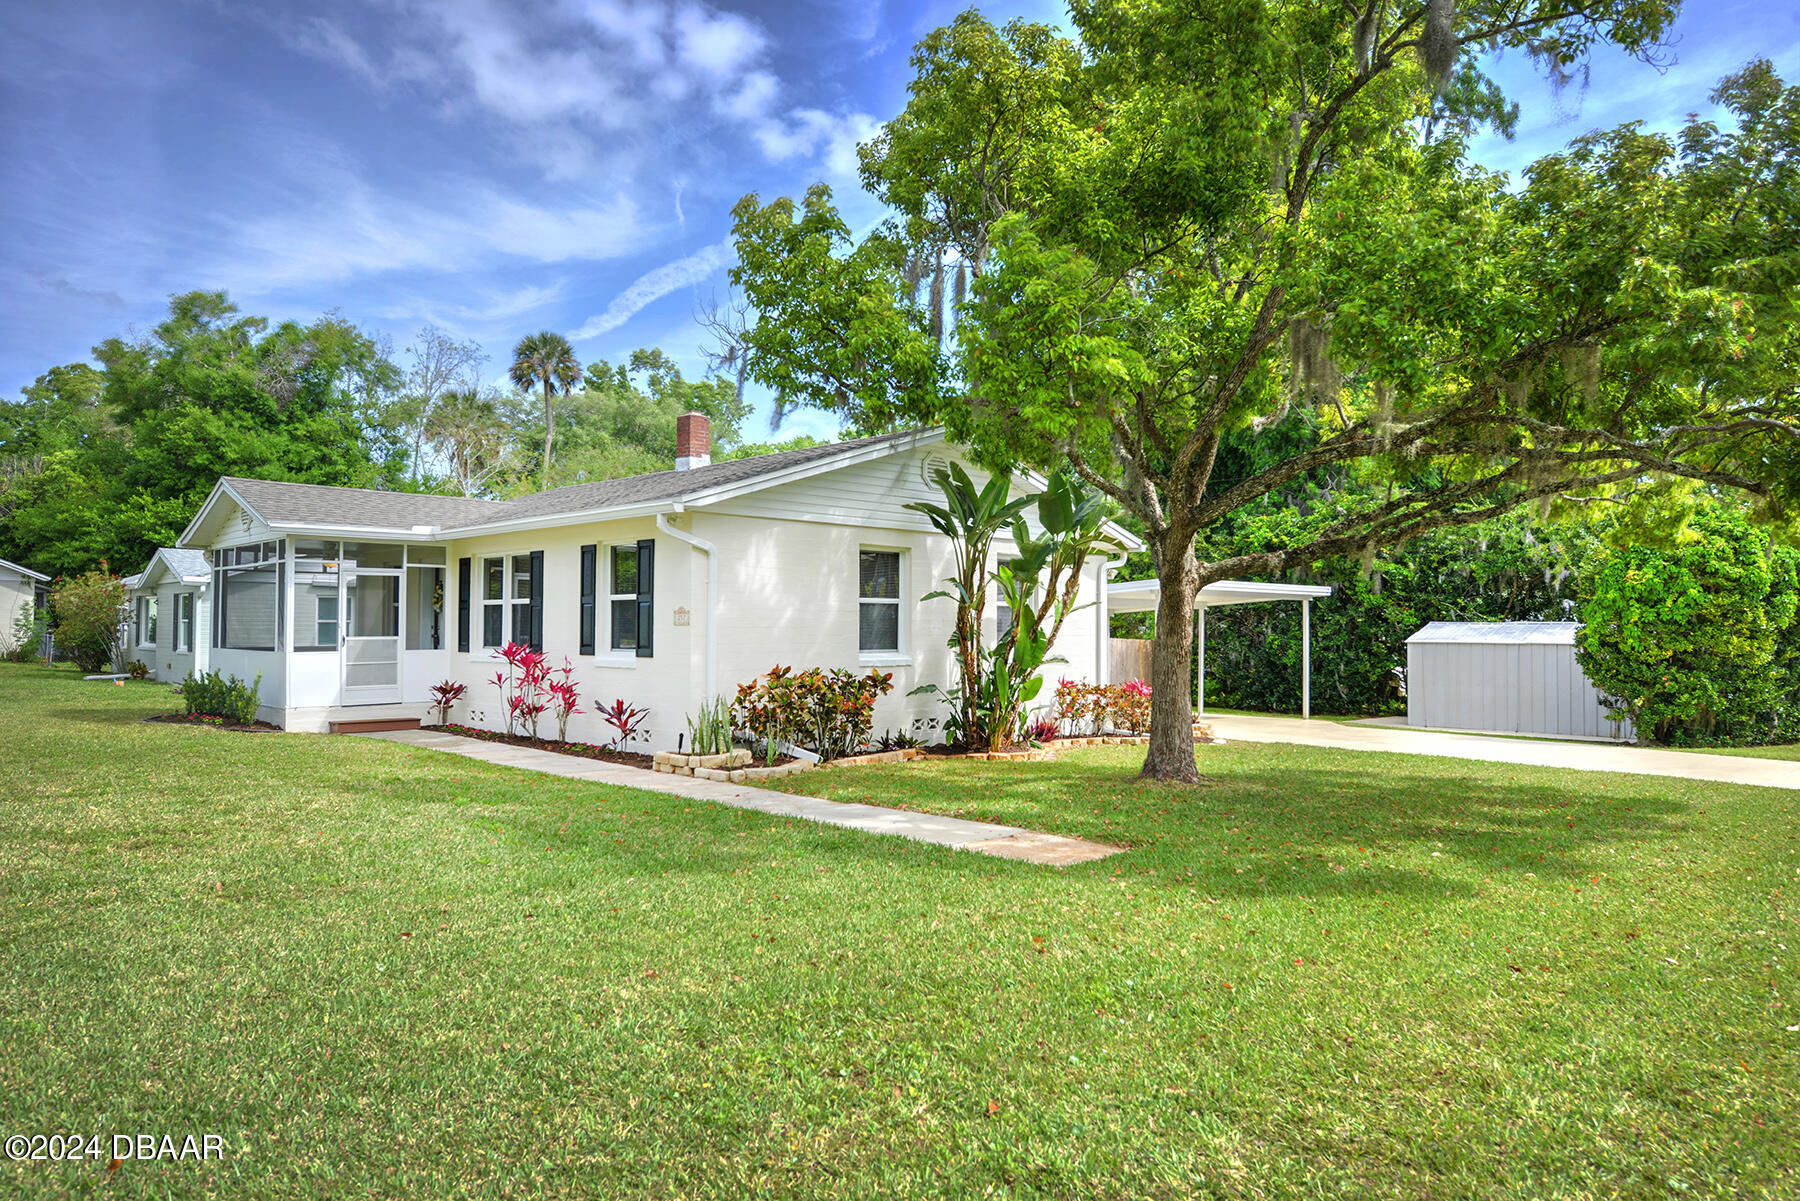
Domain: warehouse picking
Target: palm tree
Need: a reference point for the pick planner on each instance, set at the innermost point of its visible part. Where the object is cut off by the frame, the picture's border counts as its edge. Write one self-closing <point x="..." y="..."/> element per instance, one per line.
<point x="545" y="358"/>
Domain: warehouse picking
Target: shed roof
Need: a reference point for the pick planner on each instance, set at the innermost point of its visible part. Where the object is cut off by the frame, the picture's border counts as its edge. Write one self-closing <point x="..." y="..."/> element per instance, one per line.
<point x="1512" y="633"/>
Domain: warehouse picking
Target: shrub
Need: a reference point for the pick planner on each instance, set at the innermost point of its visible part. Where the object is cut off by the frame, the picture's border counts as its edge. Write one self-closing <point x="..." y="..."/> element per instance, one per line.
<point x="1095" y="708"/>
<point x="214" y="695"/>
<point x="27" y="636"/>
<point x="137" y="669"/>
<point x="625" y="719"/>
<point x="443" y="696"/>
<point x="87" y="611"/>
<point x="1693" y="641"/>
<point x="831" y="712"/>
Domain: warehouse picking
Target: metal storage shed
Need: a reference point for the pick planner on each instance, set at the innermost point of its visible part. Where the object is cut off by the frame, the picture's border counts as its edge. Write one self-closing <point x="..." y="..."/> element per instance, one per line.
<point x="1508" y="677"/>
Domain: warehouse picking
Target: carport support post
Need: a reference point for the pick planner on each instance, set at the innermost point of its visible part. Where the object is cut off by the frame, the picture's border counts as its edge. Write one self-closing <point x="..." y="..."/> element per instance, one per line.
<point x="1305" y="657"/>
<point x="1200" y="641"/>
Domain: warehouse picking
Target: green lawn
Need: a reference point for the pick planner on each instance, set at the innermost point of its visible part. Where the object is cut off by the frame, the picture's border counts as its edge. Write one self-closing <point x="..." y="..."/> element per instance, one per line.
<point x="383" y="972"/>
<point x="1790" y="750"/>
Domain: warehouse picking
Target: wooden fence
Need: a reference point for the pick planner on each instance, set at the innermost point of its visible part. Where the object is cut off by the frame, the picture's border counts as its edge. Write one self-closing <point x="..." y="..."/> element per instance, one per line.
<point x="1129" y="659"/>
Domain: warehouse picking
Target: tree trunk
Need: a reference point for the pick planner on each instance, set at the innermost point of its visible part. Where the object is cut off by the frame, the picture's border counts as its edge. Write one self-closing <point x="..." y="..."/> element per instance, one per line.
<point x="549" y="432"/>
<point x="1171" y="754"/>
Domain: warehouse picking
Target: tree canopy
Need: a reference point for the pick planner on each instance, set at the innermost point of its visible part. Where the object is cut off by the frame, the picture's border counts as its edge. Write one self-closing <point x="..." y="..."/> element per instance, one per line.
<point x="1206" y="222"/>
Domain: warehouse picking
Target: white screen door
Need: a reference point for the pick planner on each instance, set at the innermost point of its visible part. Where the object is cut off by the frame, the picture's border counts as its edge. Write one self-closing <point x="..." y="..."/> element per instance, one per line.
<point x="371" y="609"/>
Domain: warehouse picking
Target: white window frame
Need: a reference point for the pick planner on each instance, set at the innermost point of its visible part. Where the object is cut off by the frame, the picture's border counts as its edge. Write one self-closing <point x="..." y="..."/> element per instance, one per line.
<point x="479" y="603"/>
<point x="146" y="623"/>
<point x="606" y="597"/>
<point x="184" y="623"/>
<point x="901" y="655"/>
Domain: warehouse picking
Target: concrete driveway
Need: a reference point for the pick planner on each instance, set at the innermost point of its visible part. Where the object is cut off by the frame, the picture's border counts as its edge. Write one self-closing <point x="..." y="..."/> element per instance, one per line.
<point x="1573" y="756"/>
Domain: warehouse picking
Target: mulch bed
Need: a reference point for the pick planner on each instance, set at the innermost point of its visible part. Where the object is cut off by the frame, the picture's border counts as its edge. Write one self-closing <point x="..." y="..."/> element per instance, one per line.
<point x="214" y="723"/>
<point x="583" y="750"/>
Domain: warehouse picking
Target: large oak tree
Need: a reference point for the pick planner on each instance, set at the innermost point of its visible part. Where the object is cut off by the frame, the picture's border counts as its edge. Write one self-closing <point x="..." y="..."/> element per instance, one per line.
<point x="1205" y="216"/>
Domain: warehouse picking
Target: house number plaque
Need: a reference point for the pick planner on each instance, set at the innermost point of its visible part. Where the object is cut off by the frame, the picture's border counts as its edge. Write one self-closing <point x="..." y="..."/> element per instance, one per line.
<point x="681" y="617"/>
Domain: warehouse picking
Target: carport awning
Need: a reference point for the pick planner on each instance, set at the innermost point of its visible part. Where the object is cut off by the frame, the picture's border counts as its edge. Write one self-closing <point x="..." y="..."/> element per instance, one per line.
<point x="1137" y="596"/>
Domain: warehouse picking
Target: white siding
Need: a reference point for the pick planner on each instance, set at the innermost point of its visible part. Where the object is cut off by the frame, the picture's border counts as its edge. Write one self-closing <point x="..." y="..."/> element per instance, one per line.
<point x="15" y="599"/>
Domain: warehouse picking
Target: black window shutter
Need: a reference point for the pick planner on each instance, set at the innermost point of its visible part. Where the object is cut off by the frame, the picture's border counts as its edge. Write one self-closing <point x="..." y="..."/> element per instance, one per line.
<point x="646" y="596"/>
<point x="590" y="562"/>
<point x="537" y="601"/>
<point x="462" y="605"/>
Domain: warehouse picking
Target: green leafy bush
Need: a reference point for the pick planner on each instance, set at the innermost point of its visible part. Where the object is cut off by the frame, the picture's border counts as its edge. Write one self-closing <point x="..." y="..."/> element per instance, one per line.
<point x="214" y="695"/>
<point x="87" y="612"/>
<point x="829" y="712"/>
<point x="27" y="636"/>
<point x="1695" y="642"/>
<point x="137" y="669"/>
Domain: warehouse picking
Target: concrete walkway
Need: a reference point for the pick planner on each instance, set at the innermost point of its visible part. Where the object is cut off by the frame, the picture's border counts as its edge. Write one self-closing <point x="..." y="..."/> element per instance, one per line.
<point x="1573" y="756"/>
<point x="1004" y="842"/>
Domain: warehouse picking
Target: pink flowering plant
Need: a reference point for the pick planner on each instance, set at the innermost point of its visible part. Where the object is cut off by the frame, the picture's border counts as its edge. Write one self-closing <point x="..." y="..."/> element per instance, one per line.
<point x="524" y="688"/>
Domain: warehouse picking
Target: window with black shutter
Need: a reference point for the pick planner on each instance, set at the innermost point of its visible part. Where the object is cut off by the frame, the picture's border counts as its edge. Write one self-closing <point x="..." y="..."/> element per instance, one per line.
<point x="631" y="596"/>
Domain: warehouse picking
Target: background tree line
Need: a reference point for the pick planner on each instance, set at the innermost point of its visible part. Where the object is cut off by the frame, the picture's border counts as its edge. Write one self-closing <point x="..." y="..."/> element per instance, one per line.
<point x="104" y="463"/>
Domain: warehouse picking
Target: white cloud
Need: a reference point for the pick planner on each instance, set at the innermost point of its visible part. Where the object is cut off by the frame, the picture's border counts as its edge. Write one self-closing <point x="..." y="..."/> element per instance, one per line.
<point x="350" y="231"/>
<point x="714" y="42"/>
<point x="809" y="131"/>
<point x="654" y="285"/>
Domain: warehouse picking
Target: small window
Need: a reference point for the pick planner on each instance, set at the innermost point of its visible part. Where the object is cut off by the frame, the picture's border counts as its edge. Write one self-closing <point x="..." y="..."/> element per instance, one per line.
<point x="521" y="599"/>
<point x="184" y="623"/>
<point x="1003" y="614"/>
<point x="146" y="621"/>
<point x="325" y="621"/>
<point x="622" y="592"/>
<point x="878" y="597"/>
<point x="493" y="602"/>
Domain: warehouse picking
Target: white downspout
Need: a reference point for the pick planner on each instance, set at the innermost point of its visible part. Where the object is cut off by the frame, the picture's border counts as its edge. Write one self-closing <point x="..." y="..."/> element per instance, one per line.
<point x="712" y="596"/>
<point x="1103" y="664"/>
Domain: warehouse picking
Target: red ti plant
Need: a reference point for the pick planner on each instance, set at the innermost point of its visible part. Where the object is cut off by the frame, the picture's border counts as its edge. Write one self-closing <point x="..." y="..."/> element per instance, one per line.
<point x="565" y="697"/>
<point x="523" y="688"/>
<point x="624" y="718"/>
<point x="445" y="695"/>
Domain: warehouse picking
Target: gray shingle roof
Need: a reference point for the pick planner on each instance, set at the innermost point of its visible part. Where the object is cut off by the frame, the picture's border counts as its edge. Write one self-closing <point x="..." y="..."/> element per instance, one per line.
<point x="314" y="504"/>
<point x="185" y="563"/>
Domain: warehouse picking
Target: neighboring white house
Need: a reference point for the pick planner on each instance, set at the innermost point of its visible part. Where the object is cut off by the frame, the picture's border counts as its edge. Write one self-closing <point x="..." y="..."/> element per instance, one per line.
<point x="662" y="589"/>
<point x="22" y="592"/>
<point x="166" y="614"/>
<point x="1509" y="677"/>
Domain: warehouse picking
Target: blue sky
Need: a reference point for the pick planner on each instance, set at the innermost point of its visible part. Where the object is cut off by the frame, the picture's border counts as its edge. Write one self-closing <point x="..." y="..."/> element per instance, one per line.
<point x="496" y="167"/>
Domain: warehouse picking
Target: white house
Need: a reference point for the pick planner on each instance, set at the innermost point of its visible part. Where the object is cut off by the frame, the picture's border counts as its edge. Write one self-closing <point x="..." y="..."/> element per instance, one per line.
<point x="166" y="614"/>
<point x="22" y="592"/>
<point x="662" y="589"/>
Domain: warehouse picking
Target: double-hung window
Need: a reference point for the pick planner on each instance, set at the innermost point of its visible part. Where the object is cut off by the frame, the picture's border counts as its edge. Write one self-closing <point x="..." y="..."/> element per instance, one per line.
<point x="622" y="593"/>
<point x="511" y="604"/>
<point x="493" y="602"/>
<point x="878" y="602"/>
<point x="184" y="623"/>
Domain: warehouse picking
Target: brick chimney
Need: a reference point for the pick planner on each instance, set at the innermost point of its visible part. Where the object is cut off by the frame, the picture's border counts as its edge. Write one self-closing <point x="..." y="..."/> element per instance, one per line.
<point x="693" y="441"/>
